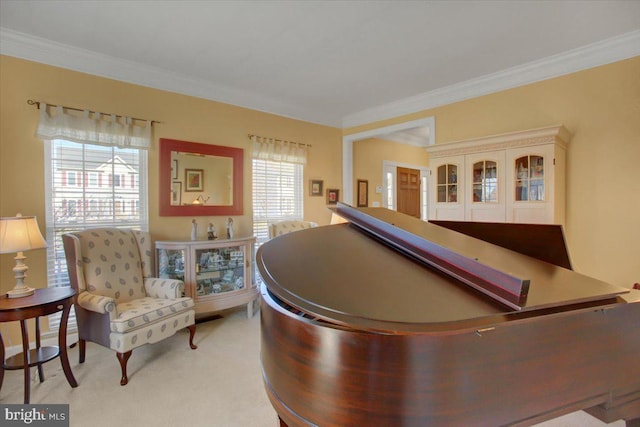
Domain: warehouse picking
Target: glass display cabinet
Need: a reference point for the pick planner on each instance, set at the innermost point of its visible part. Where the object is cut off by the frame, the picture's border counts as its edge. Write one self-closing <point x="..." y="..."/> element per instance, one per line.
<point x="218" y="274"/>
<point x="512" y="177"/>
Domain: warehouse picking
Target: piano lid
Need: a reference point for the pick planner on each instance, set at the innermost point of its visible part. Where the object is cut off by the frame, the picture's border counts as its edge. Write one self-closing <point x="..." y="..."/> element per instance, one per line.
<point x="341" y="273"/>
<point x="483" y="261"/>
<point x="545" y="242"/>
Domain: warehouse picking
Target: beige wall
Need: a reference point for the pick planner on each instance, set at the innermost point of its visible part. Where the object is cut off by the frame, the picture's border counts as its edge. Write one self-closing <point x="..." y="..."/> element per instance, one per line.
<point x="182" y="117"/>
<point x="601" y="109"/>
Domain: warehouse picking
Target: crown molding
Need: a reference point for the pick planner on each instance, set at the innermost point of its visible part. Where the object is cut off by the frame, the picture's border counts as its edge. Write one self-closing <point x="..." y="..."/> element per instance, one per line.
<point x="556" y="134"/>
<point x="603" y="52"/>
<point x="37" y="49"/>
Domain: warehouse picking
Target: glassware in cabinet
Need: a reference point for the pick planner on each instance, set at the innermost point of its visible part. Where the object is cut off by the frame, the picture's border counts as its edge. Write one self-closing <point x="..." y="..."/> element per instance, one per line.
<point x="170" y="263"/>
<point x="529" y="173"/>
<point x="218" y="274"/>
<point x="219" y="270"/>
<point x="447" y="185"/>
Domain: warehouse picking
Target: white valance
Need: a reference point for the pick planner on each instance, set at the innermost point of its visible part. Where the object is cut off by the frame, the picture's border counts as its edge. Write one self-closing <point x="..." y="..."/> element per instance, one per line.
<point x="279" y="151"/>
<point x="88" y="127"/>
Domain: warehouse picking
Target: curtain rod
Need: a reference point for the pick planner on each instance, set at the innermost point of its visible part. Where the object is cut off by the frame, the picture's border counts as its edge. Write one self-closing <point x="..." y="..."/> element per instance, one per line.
<point x="279" y="140"/>
<point x="37" y="104"/>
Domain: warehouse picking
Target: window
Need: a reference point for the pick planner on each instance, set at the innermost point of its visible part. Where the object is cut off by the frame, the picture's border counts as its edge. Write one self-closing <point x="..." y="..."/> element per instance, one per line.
<point x="71" y="178"/>
<point x="93" y="179"/>
<point x="391" y="190"/>
<point x="79" y="205"/>
<point x="72" y="206"/>
<point x="424" y="196"/>
<point x="277" y="195"/>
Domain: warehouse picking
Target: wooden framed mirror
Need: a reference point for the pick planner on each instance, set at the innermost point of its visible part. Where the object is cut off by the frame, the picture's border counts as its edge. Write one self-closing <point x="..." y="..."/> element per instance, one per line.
<point x="200" y="179"/>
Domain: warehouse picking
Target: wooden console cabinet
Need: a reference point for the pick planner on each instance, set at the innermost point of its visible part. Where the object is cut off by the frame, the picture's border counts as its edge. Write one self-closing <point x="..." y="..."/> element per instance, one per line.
<point x="218" y="274"/>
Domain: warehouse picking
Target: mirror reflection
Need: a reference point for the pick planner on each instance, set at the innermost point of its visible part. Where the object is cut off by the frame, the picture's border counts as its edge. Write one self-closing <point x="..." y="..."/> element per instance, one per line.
<point x="199" y="179"/>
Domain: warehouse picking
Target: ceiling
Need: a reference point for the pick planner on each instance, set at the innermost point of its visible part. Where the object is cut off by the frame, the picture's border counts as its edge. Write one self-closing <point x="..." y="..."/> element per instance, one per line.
<point x="337" y="63"/>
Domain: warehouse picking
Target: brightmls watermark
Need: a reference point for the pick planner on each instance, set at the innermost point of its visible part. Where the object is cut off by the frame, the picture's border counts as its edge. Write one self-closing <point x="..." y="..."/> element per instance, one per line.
<point x="56" y="415"/>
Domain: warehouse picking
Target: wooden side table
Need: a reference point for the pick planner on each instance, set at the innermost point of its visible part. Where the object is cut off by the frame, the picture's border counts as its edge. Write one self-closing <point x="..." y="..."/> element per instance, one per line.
<point x="43" y="302"/>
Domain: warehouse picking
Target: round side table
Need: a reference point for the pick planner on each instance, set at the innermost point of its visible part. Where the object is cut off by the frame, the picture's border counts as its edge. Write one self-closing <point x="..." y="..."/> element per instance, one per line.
<point x="42" y="303"/>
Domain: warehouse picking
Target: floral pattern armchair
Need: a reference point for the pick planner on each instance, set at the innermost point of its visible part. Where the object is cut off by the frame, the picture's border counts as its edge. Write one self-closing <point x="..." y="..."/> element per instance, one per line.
<point x="119" y="304"/>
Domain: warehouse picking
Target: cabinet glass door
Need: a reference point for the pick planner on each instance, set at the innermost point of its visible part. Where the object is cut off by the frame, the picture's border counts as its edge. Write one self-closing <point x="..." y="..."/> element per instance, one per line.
<point x="485" y="182"/>
<point x="447" y="186"/>
<point x="529" y="173"/>
<point x="171" y="264"/>
<point x="219" y="270"/>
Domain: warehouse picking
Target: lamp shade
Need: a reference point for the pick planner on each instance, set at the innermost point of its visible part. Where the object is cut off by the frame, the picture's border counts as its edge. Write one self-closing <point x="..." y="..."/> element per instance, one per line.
<point x="20" y="233"/>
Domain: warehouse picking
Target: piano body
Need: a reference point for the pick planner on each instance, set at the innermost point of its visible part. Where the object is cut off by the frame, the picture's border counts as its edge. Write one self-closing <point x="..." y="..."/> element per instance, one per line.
<point x="391" y="321"/>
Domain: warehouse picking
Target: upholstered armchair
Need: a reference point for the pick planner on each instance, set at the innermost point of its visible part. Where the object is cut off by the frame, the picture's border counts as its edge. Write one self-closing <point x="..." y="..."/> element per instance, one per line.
<point x="118" y="303"/>
<point x="284" y="227"/>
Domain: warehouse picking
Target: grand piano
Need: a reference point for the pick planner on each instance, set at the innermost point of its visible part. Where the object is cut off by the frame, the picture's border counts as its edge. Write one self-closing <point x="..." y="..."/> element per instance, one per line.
<point x="387" y="320"/>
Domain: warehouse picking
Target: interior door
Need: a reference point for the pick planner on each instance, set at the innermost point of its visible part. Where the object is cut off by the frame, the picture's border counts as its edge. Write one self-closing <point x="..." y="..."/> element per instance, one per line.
<point x="408" y="191"/>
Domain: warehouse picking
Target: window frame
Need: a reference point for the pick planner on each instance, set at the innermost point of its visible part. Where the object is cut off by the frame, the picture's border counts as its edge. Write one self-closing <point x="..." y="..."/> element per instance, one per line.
<point x="79" y="195"/>
<point x="287" y="192"/>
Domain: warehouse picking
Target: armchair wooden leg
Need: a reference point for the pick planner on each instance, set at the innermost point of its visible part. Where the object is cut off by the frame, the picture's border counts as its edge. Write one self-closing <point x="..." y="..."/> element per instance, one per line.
<point x="192" y="332"/>
<point x="82" y="348"/>
<point x="123" y="358"/>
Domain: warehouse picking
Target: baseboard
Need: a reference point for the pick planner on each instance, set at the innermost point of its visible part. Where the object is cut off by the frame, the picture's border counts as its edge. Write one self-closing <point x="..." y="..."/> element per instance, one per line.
<point x="48" y="339"/>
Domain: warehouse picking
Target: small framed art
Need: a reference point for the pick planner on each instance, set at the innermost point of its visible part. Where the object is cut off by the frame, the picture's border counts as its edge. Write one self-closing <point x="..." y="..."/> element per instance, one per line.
<point x="315" y="187"/>
<point x="193" y="179"/>
<point x="333" y="196"/>
<point x="174" y="169"/>
<point x="176" y="193"/>
<point x="363" y="193"/>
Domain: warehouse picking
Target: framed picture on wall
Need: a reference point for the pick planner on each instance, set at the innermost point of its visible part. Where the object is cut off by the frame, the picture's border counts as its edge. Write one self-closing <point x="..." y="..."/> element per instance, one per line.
<point x="363" y="193"/>
<point x="333" y="195"/>
<point x="176" y="193"/>
<point x="174" y="169"/>
<point x="193" y="179"/>
<point x="315" y="187"/>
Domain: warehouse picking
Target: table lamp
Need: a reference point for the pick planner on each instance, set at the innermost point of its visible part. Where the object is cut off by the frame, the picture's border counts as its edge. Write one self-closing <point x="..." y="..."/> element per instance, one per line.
<point x="18" y="234"/>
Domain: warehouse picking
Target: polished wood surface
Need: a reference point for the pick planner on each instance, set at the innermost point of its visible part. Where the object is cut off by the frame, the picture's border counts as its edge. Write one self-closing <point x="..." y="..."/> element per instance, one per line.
<point x="43" y="302"/>
<point x="355" y="333"/>
<point x="521" y="372"/>
<point x="541" y="241"/>
<point x="345" y="276"/>
<point x="410" y="237"/>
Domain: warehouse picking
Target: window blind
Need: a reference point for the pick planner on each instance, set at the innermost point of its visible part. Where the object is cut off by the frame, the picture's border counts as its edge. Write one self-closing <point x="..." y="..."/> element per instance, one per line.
<point x="277" y="195"/>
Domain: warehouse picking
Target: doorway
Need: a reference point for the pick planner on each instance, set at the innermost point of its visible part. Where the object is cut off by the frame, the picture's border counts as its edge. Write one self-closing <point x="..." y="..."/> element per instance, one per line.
<point x="347" y="149"/>
<point x="408" y="191"/>
<point x="391" y="186"/>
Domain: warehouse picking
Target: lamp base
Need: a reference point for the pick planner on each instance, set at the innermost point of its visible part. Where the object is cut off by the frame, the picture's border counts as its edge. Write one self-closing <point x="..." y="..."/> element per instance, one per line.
<point x="20" y="292"/>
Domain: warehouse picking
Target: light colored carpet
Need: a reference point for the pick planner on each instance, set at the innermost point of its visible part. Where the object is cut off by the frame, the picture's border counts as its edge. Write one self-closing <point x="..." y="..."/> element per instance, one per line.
<point x="217" y="385"/>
